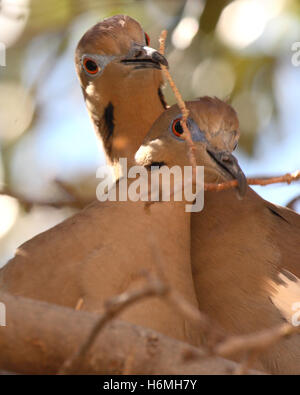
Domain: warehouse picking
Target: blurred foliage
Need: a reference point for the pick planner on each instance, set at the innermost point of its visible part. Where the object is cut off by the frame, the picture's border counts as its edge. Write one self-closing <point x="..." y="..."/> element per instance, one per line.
<point x="207" y="65"/>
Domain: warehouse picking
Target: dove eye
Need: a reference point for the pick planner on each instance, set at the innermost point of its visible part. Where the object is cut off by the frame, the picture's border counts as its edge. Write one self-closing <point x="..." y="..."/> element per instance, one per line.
<point x="177" y="128"/>
<point x="147" y="39"/>
<point x="90" y="66"/>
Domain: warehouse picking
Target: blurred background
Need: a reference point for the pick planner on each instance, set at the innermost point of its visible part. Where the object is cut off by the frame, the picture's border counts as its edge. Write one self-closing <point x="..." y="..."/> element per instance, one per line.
<point x="244" y="51"/>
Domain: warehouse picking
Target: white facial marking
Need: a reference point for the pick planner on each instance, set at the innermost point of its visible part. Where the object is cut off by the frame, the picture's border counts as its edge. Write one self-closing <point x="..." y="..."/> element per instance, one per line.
<point x="145" y="152"/>
<point x="90" y="90"/>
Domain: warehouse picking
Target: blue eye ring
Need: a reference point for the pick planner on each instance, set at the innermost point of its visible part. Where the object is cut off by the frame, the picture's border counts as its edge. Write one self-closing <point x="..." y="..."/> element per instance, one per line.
<point x="176" y="128"/>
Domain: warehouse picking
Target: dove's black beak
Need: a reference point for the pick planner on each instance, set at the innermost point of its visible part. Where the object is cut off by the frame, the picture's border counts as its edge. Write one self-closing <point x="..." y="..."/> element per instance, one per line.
<point x="142" y="57"/>
<point x="231" y="166"/>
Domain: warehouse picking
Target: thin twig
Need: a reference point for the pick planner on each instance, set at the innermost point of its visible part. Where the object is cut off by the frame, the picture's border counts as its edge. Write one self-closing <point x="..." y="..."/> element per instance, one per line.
<point x="28" y="203"/>
<point x="257" y="342"/>
<point x="79" y="304"/>
<point x="162" y="41"/>
<point x="181" y="104"/>
<point x="288" y="178"/>
<point x="113" y="307"/>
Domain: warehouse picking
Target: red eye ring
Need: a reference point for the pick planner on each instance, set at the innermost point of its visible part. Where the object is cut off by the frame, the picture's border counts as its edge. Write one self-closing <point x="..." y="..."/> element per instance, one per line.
<point x="147" y="39"/>
<point x="177" y="129"/>
<point x="90" y="66"/>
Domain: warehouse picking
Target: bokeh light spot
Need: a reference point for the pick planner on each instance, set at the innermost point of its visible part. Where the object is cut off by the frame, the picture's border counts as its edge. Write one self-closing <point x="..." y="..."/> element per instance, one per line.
<point x="184" y="32"/>
<point x="16" y="110"/>
<point x="213" y="78"/>
<point x="243" y="21"/>
<point x="9" y="209"/>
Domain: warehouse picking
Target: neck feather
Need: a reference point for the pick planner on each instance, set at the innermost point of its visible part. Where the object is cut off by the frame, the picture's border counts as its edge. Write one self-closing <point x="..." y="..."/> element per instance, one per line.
<point x="124" y="120"/>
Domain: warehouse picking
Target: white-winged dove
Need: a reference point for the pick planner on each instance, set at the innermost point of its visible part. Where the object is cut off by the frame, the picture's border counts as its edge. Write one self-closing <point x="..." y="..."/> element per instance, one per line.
<point x="239" y="247"/>
<point x="245" y="253"/>
<point x="121" y="80"/>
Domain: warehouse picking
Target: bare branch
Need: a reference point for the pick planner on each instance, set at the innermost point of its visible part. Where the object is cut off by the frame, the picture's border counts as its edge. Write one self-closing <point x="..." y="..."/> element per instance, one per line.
<point x="255" y="342"/>
<point x="113" y="307"/>
<point x="38" y="345"/>
<point x="29" y="203"/>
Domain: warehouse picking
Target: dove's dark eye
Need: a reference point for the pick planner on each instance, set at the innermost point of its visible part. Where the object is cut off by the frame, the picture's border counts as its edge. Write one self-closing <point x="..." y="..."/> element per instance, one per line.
<point x="177" y="128"/>
<point x="90" y="66"/>
<point x="147" y="39"/>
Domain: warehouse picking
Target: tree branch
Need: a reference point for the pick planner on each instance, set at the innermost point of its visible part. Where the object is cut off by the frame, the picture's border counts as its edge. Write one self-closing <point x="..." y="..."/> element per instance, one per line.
<point x="39" y="337"/>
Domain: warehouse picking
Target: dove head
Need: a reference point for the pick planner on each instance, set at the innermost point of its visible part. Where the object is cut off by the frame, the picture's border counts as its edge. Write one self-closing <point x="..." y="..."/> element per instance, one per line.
<point x="214" y="129"/>
<point x="120" y="76"/>
<point x="114" y="51"/>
